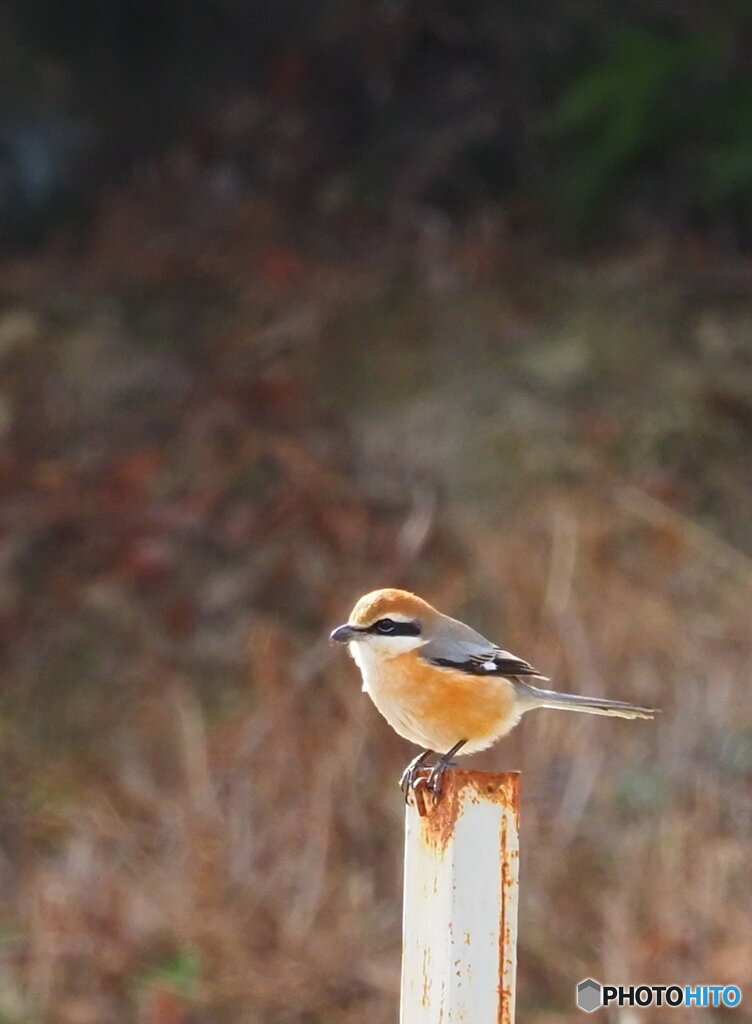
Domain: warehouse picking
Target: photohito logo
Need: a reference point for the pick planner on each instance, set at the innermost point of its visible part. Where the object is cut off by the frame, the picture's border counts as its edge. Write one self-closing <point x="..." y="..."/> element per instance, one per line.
<point x="591" y="995"/>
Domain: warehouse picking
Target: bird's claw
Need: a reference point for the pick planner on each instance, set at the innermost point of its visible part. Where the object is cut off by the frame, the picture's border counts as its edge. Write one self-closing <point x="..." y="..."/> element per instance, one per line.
<point x="411" y="775"/>
<point x="433" y="782"/>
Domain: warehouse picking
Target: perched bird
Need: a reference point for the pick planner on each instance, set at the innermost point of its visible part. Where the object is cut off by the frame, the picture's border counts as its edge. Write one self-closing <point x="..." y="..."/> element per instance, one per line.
<point x="443" y="686"/>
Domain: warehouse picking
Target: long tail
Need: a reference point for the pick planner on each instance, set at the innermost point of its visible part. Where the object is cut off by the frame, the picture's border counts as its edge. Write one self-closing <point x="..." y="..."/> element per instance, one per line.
<point x="537" y="698"/>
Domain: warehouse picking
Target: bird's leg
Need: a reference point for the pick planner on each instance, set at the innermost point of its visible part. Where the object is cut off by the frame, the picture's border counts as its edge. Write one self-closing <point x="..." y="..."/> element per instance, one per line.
<point x="444" y="762"/>
<point x="407" y="779"/>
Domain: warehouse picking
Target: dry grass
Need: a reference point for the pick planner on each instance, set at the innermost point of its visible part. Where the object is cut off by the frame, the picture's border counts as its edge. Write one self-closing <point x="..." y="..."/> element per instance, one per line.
<point x="199" y="820"/>
<point x="249" y="868"/>
<point x="637" y="840"/>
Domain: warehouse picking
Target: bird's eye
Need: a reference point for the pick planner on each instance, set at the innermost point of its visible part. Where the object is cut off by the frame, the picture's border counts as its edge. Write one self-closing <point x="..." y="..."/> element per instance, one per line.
<point x="385" y="626"/>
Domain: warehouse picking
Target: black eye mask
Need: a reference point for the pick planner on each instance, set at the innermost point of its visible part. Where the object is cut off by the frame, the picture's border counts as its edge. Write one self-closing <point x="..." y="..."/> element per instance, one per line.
<point x="388" y="627"/>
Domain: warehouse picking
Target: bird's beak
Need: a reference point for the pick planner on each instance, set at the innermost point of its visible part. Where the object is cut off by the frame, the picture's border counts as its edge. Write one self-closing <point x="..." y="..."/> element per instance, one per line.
<point x="344" y="634"/>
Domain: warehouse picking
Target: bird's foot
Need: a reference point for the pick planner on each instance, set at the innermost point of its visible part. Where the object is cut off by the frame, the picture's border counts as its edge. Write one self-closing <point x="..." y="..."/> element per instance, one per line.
<point x="433" y="782"/>
<point x="409" y="778"/>
<point x="412" y="777"/>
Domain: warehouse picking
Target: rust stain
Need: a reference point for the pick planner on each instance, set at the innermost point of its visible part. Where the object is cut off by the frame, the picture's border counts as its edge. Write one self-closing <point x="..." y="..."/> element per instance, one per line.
<point x="508" y="884"/>
<point x="441" y="813"/>
<point x="425" y="999"/>
<point x="438" y="814"/>
<point x="504" y="1012"/>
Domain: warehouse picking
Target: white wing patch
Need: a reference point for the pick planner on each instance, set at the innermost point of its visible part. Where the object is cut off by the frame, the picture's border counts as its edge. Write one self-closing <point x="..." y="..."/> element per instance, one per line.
<point x="489" y="666"/>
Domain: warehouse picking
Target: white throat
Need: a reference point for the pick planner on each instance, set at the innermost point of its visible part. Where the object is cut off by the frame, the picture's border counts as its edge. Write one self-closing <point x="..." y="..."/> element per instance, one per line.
<point x="370" y="652"/>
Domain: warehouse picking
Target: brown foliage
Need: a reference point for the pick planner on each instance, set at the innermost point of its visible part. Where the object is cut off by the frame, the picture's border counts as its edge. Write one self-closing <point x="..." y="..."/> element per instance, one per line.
<point x="199" y="819"/>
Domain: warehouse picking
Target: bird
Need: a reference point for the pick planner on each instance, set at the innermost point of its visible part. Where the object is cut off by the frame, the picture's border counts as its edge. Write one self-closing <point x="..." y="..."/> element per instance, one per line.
<point x="445" y="687"/>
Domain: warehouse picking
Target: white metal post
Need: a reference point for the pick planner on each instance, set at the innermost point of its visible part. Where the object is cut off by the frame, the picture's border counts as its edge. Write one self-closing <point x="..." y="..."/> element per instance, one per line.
<point x="459" y="950"/>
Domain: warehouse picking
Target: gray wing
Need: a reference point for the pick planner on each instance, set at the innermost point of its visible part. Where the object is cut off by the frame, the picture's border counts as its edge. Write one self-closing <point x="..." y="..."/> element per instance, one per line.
<point x="455" y="645"/>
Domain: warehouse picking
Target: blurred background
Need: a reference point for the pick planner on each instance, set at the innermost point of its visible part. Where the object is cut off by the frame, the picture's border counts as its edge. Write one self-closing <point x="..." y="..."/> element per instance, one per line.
<point x="297" y="300"/>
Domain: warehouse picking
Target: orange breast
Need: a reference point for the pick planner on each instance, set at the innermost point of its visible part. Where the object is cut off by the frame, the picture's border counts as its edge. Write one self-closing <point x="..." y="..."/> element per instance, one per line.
<point x="436" y="707"/>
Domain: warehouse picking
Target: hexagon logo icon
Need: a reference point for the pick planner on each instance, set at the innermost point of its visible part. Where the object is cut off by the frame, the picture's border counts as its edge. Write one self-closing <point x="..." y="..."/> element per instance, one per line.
<point x="589" y="995"/>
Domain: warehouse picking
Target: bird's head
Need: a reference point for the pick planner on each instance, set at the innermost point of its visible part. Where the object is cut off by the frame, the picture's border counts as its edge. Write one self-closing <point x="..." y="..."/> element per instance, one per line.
<point x="392" y="621"/>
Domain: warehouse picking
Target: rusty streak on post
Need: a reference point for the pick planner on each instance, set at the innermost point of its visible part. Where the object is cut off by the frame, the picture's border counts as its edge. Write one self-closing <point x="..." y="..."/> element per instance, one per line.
<point x="460" y="916"/>
<point x="439" y="813"/>
<point x="507" y="965"/>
